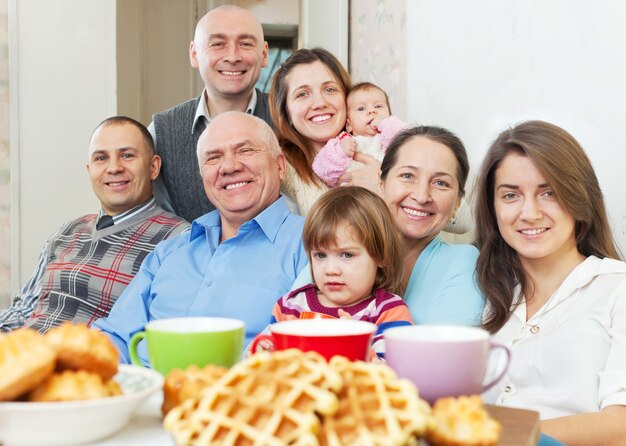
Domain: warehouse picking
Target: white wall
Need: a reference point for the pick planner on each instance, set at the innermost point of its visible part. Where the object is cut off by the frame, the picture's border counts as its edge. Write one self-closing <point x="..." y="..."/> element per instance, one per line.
<point x="324" y="23"/>
<point x="63" y="77"/>
<point x="477" y="67"/>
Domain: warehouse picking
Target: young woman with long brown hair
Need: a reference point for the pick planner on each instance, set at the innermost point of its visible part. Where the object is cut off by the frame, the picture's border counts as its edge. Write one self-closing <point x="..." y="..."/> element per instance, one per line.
<point x="555" y="287"/>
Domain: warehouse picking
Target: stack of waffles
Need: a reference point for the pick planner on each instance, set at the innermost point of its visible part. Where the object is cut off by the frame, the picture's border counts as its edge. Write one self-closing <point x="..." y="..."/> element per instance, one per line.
<point x="295" y="398"/>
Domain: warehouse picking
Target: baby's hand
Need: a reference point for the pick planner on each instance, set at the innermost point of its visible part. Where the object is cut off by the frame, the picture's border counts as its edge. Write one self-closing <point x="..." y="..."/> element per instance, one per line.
<point x="376" y="122"/>
<point x="348" y="145"/>
<point x="343" y="314"/>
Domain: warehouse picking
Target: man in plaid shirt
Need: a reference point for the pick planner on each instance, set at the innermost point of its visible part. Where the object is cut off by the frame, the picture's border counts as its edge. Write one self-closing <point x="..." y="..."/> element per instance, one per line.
<point x="87" y="263"/>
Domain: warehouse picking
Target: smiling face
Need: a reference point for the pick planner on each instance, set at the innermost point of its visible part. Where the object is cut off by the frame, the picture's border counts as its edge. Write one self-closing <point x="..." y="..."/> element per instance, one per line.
<point x="422" y="190"/>
<point x="528" y="213"/>
<point x="121" y="167"/>
<point x="363" y="107"/>
<point x="345" y="272"/>
<point x="241" y="175"/>
<point x="228" y="50"/>
<point x="315" y="103"/>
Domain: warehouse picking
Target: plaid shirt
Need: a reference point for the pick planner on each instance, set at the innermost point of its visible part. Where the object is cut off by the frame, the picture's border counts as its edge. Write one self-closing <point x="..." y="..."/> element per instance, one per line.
<point x="82" y="271"/>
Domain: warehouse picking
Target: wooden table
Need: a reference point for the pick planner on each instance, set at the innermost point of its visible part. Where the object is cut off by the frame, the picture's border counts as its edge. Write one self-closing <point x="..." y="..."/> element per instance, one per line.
<point x="519" y="427"/>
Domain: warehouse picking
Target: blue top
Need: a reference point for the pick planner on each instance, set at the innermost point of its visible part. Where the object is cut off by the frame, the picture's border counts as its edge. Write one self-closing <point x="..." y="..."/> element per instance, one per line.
<point x="196" y="275"/>
<point x="442" y="287"/>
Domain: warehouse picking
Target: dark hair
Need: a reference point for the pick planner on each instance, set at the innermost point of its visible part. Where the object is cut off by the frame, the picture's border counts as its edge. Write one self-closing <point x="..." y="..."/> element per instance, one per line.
<point x="366" y="86"/>
<point x="122" y="120"/>
<point x="297" y="149"/>
<point x="370" y="220"/>
<point x="559" y="157"/>
<point x="437" y="134"/>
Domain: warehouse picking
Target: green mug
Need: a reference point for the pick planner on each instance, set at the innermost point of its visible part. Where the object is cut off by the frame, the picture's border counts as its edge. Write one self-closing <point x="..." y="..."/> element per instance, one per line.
<point x="177" y="343"/>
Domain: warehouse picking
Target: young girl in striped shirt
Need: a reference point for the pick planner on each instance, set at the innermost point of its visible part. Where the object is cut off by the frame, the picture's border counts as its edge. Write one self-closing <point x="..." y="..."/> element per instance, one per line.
<point x="356" y="264"/>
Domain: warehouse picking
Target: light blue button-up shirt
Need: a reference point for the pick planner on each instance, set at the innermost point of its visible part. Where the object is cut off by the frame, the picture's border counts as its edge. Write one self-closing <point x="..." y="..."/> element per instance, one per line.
<point x="194" y="275"/>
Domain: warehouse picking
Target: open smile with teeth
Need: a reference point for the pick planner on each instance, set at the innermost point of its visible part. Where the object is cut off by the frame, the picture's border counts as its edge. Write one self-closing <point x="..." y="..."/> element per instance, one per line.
<point x="321" y="118"/>
<point x="235" y="185"/>
<point x="117" y="183"/>
<point x="232" y="73"/>
<point x="535" y="231"/>
<point x="416" y="213"/>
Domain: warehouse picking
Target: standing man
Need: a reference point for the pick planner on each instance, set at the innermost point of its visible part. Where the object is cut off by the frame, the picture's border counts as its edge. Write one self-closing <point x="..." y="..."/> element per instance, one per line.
<point x="238" y="259"/>
<point x="228" y="50"/>
<point x="87" y="263"/>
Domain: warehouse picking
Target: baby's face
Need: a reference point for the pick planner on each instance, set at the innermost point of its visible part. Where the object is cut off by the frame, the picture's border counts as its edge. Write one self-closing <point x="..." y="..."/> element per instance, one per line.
<point x="363" y="107"/>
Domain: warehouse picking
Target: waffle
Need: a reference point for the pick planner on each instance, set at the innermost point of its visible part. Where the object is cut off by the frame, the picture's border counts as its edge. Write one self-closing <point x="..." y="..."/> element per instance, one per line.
<point x="462" y="421"/>
<point x="375" y="408"/>
<point x="25" y="361"/>
<point x="269" y="399"/>
<point x="183" y="384"/>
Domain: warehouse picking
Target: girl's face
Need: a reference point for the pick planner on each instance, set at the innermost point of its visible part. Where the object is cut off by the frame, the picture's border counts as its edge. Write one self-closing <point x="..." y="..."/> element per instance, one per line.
<point x="344" y="273"/>
<point x="529" y="216"/>
<point x="315" y="103"/>
<point x="421" y="189"/>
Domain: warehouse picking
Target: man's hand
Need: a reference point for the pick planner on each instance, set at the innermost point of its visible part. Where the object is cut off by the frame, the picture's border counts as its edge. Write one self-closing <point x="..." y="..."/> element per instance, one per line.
<point x="367" y="177"/>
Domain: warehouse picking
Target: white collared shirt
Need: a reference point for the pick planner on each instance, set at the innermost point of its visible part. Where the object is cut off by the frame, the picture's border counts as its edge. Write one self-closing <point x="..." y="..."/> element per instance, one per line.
<point x="202" y="111"/>
<point x="569" y="357"/>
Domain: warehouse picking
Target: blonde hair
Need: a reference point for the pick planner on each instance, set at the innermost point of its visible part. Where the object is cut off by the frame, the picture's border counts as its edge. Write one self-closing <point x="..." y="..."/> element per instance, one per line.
<point x="369" y="218"/>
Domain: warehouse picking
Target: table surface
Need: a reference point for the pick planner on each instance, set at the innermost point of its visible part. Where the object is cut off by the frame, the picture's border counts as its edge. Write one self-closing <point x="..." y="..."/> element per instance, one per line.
<point x="519" y="427"/>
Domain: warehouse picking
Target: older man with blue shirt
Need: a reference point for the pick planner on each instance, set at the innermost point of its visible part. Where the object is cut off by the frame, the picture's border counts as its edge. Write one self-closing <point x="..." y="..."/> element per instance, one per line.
<point x="235" y="261"/>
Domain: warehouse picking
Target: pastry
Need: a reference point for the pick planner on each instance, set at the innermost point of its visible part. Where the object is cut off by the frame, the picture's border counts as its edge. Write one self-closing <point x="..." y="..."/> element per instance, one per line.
<point x="183" y="384"/>
<point x="376" y="408"/>
<point x="462" y="421"/>
<point x="268" y="399"/>
<point x="79" y="347"/>
<point x="71" y="385"/>
<point x="25" y="361"/>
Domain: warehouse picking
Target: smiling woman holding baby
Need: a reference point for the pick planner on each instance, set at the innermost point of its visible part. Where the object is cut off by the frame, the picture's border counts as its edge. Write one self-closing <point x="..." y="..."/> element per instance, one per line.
<point x="308" y="106"/>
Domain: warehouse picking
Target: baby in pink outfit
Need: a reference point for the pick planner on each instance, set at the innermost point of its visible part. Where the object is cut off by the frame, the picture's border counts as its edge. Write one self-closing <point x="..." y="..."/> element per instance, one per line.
<point x="369" y="129"/>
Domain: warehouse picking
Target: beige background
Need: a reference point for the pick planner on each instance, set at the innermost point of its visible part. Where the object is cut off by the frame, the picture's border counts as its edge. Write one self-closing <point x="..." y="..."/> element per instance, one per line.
<point x="5" y="159"/>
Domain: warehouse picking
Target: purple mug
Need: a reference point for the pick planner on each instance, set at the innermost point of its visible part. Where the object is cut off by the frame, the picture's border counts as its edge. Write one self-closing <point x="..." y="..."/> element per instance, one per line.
<point x="442" y="360"/>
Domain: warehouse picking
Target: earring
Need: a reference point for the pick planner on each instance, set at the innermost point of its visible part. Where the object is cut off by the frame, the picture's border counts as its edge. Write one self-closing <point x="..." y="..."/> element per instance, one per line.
<point x="453" y="221"/>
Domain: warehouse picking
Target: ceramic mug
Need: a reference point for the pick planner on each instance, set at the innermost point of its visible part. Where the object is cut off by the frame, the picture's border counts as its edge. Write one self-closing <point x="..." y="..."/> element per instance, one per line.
<point x="177" y="343"/>
<point x="443" y="360"/>
<point x="328" y="337"/>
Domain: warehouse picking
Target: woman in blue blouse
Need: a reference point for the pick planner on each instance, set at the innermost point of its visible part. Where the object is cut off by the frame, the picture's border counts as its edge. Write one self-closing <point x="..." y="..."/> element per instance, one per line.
<point x="423" y="179"/>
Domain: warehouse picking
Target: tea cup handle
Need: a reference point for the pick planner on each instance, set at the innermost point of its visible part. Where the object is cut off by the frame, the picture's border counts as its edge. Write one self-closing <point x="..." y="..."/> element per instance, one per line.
<point x="494" y="381"/>
<point x="259" y="339"/>
<point x="132" y="347"/>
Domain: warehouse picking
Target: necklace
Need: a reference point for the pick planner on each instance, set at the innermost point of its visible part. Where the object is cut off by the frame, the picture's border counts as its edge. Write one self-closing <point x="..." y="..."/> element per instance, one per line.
<point x="535" y="328"/>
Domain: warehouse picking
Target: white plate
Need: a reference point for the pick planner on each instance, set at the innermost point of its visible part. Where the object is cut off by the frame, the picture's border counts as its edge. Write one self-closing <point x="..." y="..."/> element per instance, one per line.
<point x="76" y="422"/>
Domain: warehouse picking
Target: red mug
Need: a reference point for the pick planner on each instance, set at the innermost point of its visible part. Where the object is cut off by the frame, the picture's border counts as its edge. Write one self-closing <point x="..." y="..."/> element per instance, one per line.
<point x="328" y="337"/>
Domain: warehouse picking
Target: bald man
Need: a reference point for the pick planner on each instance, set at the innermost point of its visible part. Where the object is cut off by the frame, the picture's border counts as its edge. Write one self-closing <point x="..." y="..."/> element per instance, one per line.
<point x="228" y="50"/>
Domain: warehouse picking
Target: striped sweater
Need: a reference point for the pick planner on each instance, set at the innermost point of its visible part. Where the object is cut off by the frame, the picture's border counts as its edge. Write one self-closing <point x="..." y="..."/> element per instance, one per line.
<point x="86" y="269"/>
<point x="384" y="309"/>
